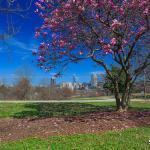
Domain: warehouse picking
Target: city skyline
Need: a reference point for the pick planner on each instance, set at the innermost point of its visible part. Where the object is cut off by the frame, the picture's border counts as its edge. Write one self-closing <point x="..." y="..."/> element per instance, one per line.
<point x="37" y="80"/>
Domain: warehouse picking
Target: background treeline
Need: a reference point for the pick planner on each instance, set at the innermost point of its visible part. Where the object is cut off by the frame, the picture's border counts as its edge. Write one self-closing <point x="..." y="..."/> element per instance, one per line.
<point x="23" y="90"/>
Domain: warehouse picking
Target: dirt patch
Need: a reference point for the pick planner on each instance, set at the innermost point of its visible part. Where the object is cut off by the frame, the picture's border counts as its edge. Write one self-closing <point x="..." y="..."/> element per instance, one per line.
<point x="14" y="129"/>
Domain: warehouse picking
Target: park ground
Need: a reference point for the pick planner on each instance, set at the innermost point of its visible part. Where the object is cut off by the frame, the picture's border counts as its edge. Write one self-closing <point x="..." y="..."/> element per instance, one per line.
<point x="74" y="126"/>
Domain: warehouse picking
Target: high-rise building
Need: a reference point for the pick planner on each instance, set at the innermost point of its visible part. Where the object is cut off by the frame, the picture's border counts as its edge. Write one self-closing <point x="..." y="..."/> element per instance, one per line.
<point x="75" y="82"/>
<point x="94" y="80"/>
<point x="75" y="79"/>
<point x="53" y="81"/>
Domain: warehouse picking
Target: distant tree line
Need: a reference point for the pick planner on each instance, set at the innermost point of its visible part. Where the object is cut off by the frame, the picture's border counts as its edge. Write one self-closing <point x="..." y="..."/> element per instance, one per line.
<point x="24" y="90"/>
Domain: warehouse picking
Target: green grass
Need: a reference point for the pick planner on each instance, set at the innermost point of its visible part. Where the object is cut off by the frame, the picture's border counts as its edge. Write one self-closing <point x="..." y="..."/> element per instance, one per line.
<point x="50" y="109"/>
<point x="130" y="139"/>
<point x="60" y="109"/>
<point x="142" y="105"/>
<point x="94" y="98"/>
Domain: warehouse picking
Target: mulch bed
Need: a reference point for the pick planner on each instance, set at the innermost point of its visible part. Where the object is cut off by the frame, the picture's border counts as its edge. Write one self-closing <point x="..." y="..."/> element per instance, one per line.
<point x="15" y="129"/>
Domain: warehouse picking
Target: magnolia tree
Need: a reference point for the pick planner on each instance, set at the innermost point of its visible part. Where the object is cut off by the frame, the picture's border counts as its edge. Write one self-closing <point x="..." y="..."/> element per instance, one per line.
<point x="118" y="30"/>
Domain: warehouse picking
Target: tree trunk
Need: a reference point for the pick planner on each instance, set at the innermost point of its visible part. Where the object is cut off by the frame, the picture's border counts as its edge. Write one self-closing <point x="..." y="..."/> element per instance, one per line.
<point x="121" y="104"/>
<point x="117" y="96"/>
<point x="123" y="100"/>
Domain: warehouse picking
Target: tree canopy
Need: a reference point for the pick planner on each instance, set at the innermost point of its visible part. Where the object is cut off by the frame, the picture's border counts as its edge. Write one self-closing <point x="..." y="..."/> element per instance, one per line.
<point x="75" y="30"/>
<point x="121" y="82"/>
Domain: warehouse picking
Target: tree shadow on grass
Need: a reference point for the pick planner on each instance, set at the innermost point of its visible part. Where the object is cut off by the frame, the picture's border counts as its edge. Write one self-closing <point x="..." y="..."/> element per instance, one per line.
<point x="142" y="109"/>
<point x="140" y="106"/>
<point x="44" y="110"/>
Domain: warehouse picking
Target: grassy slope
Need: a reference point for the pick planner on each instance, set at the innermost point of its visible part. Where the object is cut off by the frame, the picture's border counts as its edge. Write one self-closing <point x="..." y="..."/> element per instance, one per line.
<point x="60" y="109"/>
<point x="94" y="98"/>
<point x="130" y="139"/>
<point x="136" y="139"/>
<point x="50" y="109"/>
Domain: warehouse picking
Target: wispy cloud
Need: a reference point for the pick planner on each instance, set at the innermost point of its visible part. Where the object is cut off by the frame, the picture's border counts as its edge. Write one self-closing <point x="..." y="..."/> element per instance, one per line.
<point x="17" y="45"/>
<point x="98" y="72"/>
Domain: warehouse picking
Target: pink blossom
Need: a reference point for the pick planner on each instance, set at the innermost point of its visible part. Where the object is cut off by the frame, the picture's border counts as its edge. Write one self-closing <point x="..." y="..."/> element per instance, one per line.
<point x="37" y="10"/>
<point x="37" y="34"/>
<point x="121" y="11"/>
<point x="146" y="11"/>
<point x="71" y="47"/>
<point x="107" y="48"/>
<point x="68" y="5"/>
<point x="101" y="40"/>
<point x="116" y="24"/>
<point x="108" y="51"/>
<point x="40" y="6"/>
<point x="124" y="41"/>
<point x="62" y="43"/>
<point x="41" y="59"/>
<point x="97" y="16"/>
<point x="44" y="34"/>
<point x="42" y="46"/>
<point x="81" y="53"/>
<point x="81" y="8"/>
<point x="113" y="41"/>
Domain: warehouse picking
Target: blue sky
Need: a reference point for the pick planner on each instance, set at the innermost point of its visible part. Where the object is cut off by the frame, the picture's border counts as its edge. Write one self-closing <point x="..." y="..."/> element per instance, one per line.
<point x="16" y="52"/>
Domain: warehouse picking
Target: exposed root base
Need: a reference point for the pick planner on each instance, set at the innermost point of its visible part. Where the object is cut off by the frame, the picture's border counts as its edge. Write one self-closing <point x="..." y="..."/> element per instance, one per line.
<point x="122" y="110"/>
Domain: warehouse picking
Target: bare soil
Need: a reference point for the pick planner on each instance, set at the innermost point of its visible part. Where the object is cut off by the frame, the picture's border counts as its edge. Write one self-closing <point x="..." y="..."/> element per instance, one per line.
<point x="15" y="129"/>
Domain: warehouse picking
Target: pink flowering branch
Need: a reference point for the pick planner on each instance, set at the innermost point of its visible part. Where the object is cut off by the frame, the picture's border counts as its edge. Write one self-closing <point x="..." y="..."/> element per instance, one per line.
<point x="89" y="29"/>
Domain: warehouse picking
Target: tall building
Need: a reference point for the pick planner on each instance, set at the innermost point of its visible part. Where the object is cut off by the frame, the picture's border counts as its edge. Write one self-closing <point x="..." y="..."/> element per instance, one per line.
<point x="75" y="82"/>
<point x="94" y="80"/>
<point x="75" y="79"/>
<point x="53" y="82"/>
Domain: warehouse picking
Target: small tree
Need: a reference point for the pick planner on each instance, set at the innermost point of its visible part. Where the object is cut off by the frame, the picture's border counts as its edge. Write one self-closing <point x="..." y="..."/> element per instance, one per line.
<point x="66" y="93"/>
<point x="3" y="91"/>
<point x="100" y="30"/>
<point x="22" y="89"/>
<point x="121" y="81"/>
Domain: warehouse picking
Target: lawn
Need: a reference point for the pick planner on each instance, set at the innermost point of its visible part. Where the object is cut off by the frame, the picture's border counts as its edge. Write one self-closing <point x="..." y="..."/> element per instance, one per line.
<point x="95" y="98"/>
<point x="129" y="139"/>
<point x="21" y="110"/>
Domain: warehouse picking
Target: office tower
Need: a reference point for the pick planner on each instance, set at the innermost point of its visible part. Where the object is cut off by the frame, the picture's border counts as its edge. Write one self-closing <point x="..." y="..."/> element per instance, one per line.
<point x="94" y="80"/>
<point x="53" y="81"/>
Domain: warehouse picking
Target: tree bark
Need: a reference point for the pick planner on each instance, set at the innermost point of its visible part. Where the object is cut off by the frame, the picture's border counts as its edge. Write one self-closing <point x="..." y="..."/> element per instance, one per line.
<point x="122" y="100"/>
<point x="117" y="95"/>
